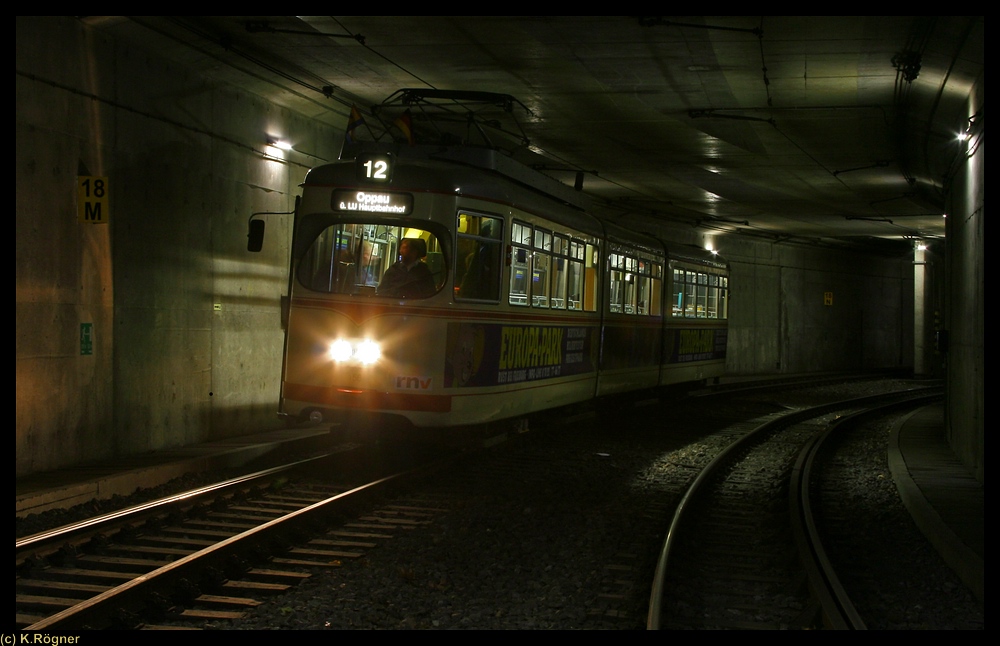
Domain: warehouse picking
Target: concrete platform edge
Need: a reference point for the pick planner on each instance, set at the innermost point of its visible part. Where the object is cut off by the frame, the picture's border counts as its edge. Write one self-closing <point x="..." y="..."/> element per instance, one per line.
<point x="968" y="565"/>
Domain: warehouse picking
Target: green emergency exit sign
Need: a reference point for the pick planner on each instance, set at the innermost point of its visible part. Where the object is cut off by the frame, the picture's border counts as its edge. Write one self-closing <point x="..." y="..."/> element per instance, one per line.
<point x="86" y="338"/>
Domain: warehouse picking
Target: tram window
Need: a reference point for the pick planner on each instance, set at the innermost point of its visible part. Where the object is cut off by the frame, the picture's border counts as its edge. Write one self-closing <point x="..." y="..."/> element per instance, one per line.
<point x="520" y="234"/>
<point x="540" y="261"/>
<point x="697" y="294"/>
<point x="629" y="285"/>
<point x="630" y="300"/>
<point x="712" y="304"/>
<point x="560" y="261"/>
<point x="352" y="258"/>
<point x="559" y="266"/>
<point x="641" y="288"/>
<point x="634" y="286"/>
<point x="592" y="276"/>
<point x="616" y="277"/>
<point x="641" y="294"/>
<point x="574" y="276"/>
<point x="629" y="303"/>
<point x="649" y="287"/>
<point x="677" y="293"/>
<point x="552" y="270"/>
<point x="543" y="240"/>
<point x="477" y="274"/>
<point x="520" y="238"/>
<point x="690" y="295"/>
<point x="655" y="306"/>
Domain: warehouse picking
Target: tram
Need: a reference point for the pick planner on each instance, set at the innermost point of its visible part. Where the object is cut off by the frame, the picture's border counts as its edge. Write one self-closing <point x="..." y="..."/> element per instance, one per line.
<point x="452" y="286"/>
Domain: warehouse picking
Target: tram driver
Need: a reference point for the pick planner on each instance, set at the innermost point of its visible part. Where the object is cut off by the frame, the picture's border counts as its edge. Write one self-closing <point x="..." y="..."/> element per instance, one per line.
<point x="409" y="277"/>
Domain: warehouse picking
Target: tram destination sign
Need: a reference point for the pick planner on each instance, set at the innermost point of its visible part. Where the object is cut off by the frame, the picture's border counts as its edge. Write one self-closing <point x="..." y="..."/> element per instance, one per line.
<point x="372" y="202"/>
<point x="375" y="168"/>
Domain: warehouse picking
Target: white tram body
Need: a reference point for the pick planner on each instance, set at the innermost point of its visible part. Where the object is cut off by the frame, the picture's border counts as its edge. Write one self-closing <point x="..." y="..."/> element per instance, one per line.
<point x="532" y="303"/>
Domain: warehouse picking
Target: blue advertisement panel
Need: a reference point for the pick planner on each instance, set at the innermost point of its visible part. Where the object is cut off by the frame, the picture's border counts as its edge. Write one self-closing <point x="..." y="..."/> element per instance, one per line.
<point x="630" y="346"/>
<point x="488" y="354"/>
<point x="702" y="344"/>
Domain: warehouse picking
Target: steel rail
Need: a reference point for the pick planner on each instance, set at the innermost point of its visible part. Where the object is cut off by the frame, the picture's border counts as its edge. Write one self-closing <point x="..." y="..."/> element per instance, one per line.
<point x="836" y="608"/>
<point x="725" y="457"/>
<point x="97" y="523"/>
<point x="100" y="611"/>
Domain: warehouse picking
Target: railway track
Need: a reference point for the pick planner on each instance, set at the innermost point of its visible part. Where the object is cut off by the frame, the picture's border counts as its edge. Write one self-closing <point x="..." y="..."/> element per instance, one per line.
<point x="743" y="551"/>
<point x="204" y="555"/>
<point x="500" y="507"/>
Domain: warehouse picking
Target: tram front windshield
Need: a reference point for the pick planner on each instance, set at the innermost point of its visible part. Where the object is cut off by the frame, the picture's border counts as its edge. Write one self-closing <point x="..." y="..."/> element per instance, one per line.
<point x="353" y="258"/>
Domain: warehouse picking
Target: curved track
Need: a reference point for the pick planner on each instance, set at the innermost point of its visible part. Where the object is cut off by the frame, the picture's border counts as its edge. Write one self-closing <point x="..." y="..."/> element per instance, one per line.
<point x="729" y="559"/>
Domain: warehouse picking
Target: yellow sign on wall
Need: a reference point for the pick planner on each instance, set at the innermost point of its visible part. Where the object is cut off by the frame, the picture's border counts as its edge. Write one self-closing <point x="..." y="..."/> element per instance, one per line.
<point x="92" y="200"/>
<point x="828" y="298"/>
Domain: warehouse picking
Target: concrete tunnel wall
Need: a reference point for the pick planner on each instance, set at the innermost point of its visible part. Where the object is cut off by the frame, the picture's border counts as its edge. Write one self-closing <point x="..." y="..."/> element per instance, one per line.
<point x="184" y="324"/>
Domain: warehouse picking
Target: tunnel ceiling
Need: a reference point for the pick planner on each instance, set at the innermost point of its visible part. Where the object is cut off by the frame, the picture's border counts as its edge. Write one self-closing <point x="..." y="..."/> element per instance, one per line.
<point x="834" y="129"/>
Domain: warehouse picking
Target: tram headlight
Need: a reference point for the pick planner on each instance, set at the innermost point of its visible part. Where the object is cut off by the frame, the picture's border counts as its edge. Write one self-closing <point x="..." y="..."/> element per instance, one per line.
<point x="341" y="350"/>
<point x="365" y="352"/>
<point x="368" y="351"/>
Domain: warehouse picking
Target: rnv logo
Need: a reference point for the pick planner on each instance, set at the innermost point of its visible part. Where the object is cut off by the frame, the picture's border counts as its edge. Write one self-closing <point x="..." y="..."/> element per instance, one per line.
<point x="413" y="383"/>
